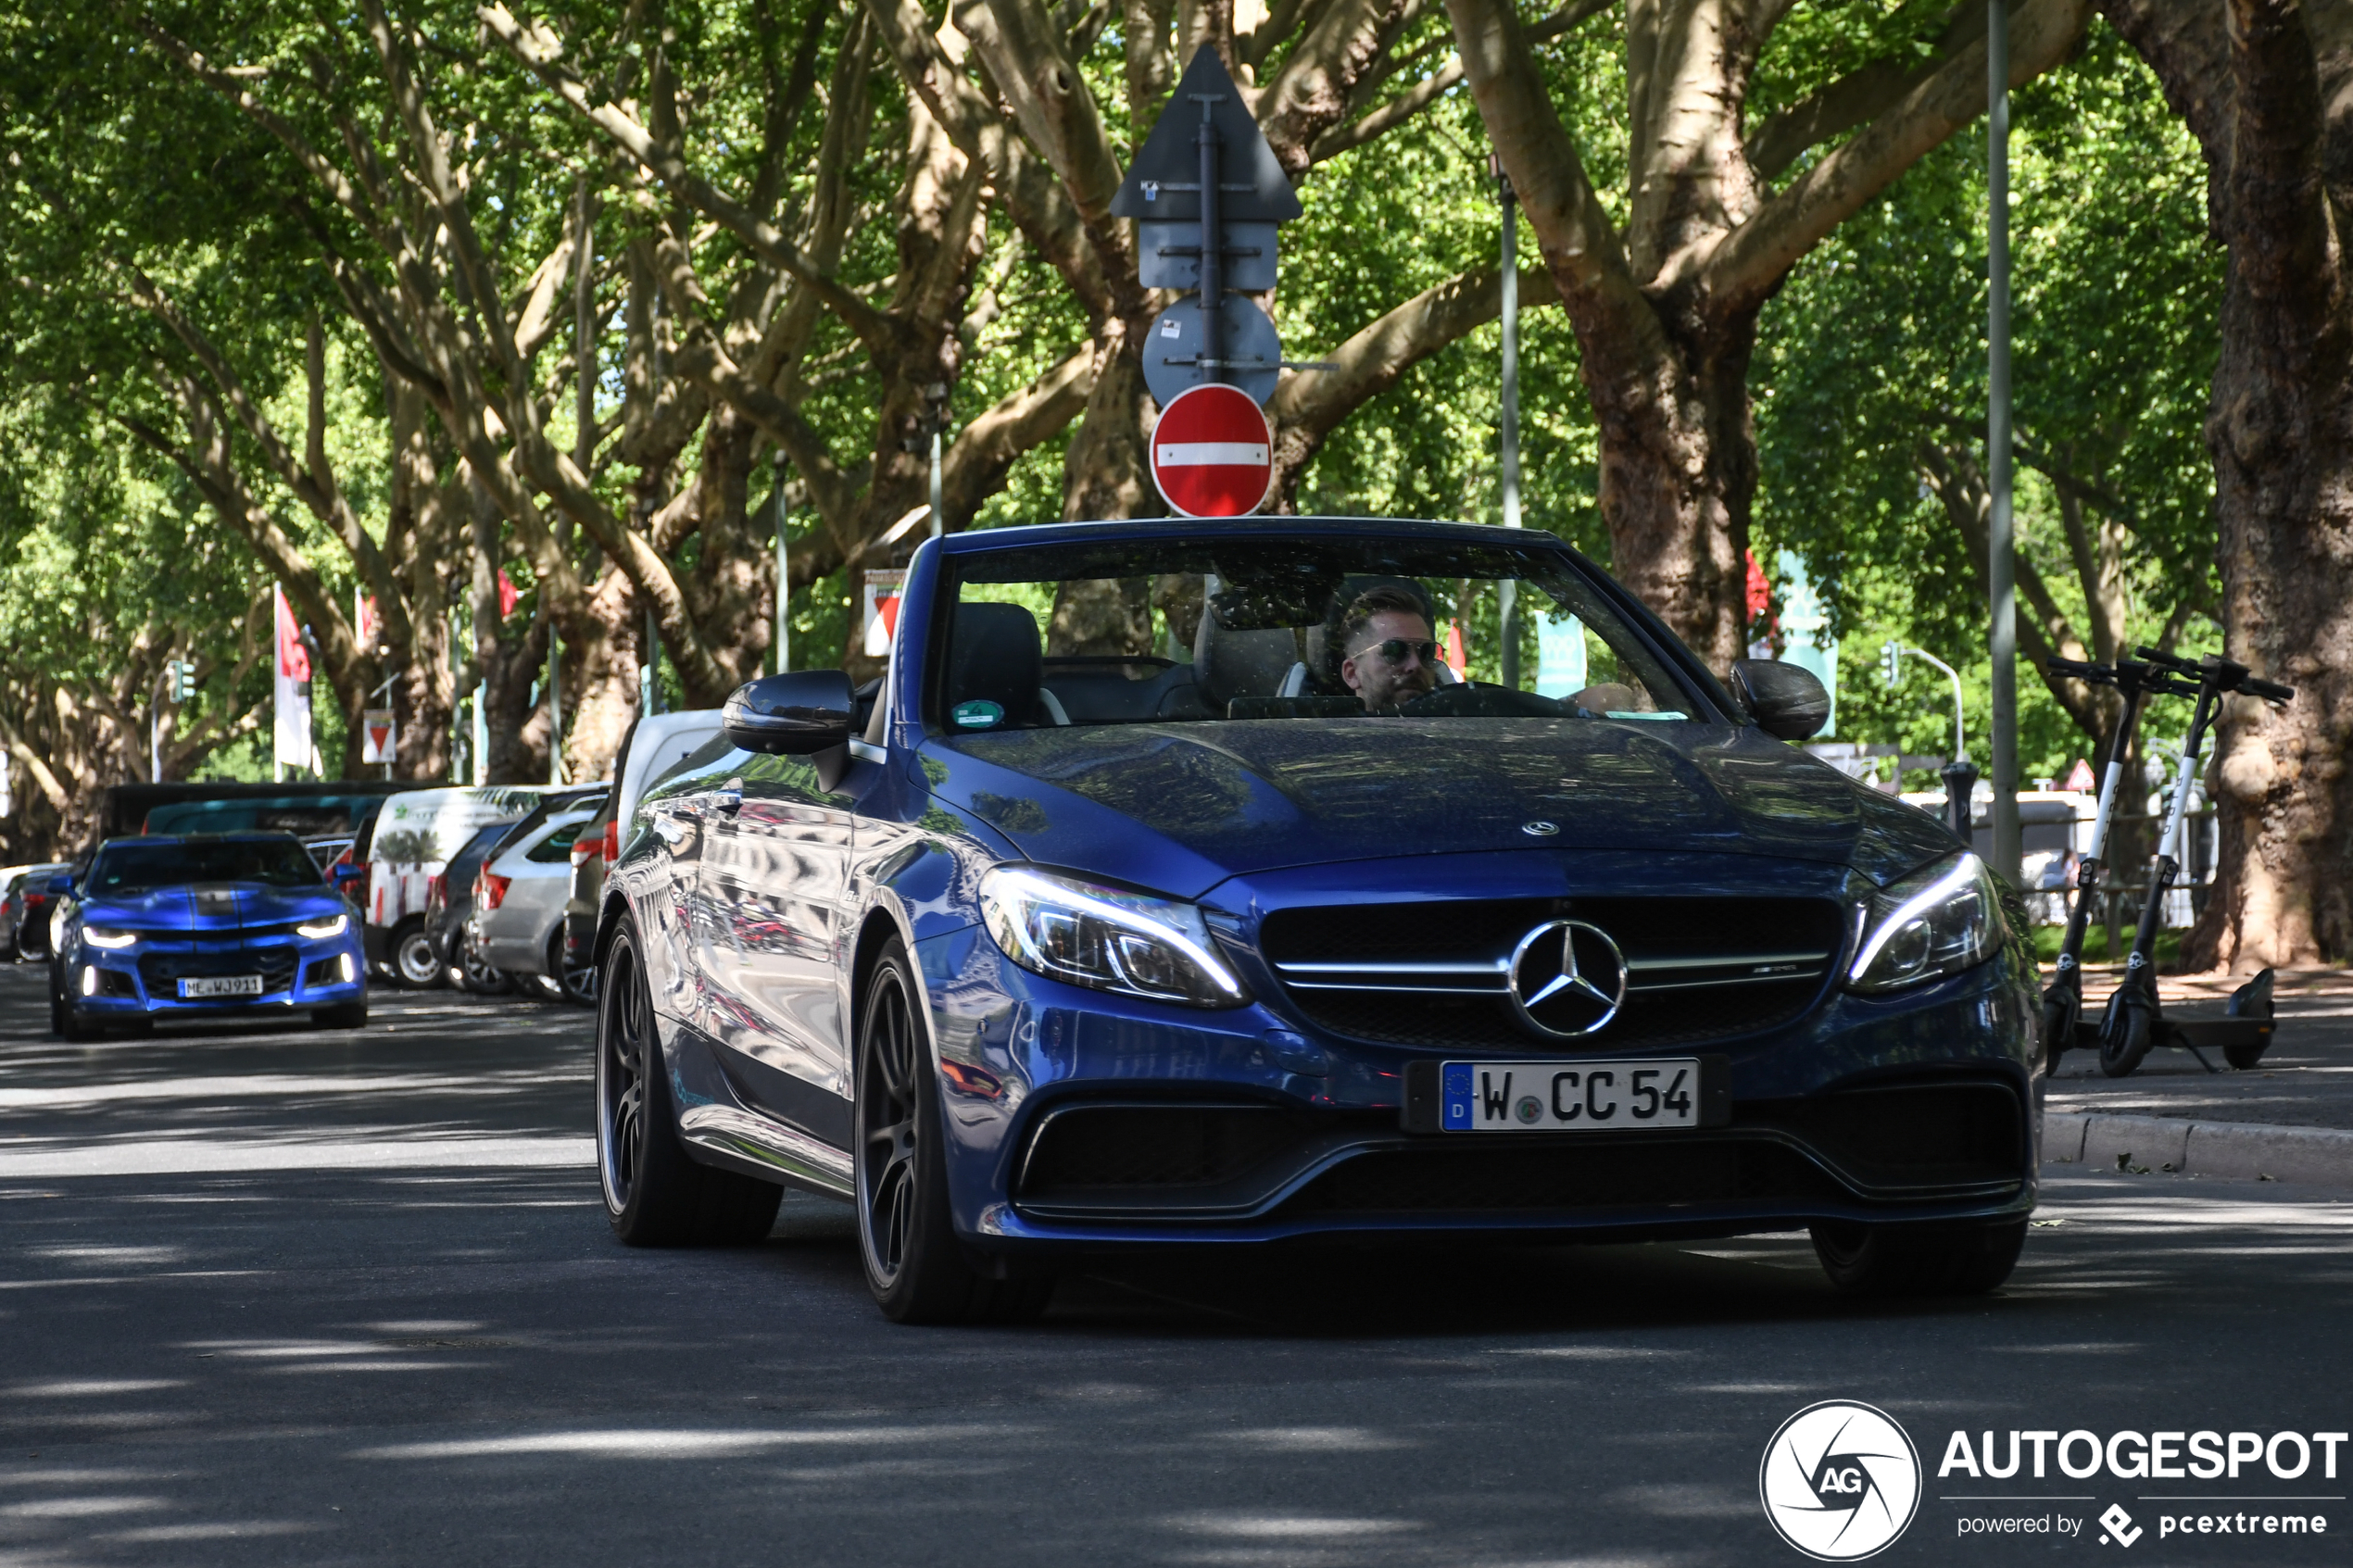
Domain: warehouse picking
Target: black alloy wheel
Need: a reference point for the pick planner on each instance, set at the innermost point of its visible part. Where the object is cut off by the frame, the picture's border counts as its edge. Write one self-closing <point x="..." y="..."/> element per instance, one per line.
<point x="655" y="1194"/>
<point x="66" y="1021"/>
<point x="915" y="1267"/>
<point x="1945" y="1258"/>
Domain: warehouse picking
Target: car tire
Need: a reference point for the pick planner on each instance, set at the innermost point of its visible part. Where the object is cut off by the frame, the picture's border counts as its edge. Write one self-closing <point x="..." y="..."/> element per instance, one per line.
<point x="68" y="1022"/>
<point x="343" y="1015"/>
<point x="414" y="964"/>
<point x="575" y="982"/>
<point x="471" y="974"/>
<point x="1961" y="1258"/>
<point x="915" y="1267"/>
<point x="655" y="1194"/>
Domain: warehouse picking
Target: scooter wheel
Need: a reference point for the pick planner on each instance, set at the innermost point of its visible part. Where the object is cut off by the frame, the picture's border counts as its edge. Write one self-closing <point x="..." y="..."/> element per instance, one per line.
<point x="2124" y="1035"/>
<point x="2246" y="1056"/>
<point x="2058" y="1032"/>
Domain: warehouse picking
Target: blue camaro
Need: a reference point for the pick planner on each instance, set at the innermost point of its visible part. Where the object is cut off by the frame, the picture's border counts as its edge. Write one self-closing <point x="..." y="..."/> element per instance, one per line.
<point x="200" y="926"/>
<point x="1169" y="889"/>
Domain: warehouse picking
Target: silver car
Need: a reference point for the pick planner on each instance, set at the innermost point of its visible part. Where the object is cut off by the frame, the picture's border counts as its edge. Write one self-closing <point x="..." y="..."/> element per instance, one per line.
<point x="518" y="909"/>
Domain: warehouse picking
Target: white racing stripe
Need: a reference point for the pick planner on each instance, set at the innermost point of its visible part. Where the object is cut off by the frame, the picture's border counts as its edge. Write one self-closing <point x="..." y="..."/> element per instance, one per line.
<point x="1213" y="453"/>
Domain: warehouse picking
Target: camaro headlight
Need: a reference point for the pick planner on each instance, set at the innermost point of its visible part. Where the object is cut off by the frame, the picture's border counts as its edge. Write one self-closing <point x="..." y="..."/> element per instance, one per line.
<point x="99" y="937"/>
<point x="1940" y="920"/>
<point x="334" y="925"/>
<point x="1107" y="937"/>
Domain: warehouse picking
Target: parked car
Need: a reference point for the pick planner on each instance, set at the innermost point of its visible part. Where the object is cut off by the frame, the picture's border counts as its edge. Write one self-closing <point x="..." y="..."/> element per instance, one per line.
<point x="25" y="910"/>
<point x="1060" y="953"/>
<point x="171" y="927"/>
<point x="449" y="907"/>
<point x="410" y="843"/>
<point x="651" y="750"/>
<point x="519" y="904"/>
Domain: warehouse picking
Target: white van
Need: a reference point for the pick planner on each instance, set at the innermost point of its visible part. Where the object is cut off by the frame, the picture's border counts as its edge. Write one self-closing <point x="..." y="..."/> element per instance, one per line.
<point x="408" y="844"/>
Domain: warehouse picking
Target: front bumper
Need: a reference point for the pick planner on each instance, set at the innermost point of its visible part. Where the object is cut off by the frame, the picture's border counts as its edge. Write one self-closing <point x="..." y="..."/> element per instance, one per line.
<point x="142" y="981"/>
<point x="1920" y="1106"/>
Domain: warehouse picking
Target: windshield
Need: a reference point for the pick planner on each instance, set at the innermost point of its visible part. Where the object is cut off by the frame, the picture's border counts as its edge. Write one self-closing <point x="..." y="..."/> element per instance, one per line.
<point x="127" y="868"/>
<point x="1136" y="632"/>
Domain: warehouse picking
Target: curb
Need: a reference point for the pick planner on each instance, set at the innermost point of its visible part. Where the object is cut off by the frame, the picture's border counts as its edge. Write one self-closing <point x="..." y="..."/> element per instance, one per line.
<point x="2322" y="1156"/>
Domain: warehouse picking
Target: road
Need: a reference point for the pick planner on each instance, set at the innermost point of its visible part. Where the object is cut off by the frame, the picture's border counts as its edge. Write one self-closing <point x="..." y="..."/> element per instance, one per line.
<point x="349" y="1298"/>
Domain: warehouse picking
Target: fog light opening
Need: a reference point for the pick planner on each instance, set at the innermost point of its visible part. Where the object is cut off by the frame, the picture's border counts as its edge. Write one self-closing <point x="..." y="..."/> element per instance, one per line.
<point x="348" y="969"/>
<point x="89" y="980"/>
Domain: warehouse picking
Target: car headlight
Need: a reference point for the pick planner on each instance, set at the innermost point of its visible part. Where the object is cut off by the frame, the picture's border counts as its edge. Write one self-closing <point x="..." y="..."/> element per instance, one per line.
<point x="1940" y="920"/>
<point x="1107" y="938"/>
<point x="99" y="937"/>
<point x="334" y="925"/>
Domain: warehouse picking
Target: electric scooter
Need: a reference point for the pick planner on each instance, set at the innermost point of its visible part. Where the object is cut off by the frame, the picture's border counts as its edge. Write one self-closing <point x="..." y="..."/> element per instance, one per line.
<point x="2133" y="1022"/>
<point x="2133" y="680"/>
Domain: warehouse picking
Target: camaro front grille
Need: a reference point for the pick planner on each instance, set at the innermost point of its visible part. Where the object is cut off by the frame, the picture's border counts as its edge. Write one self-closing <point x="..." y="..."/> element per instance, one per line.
<point x="1435" y="975"/>
<point x="161" y="972"/>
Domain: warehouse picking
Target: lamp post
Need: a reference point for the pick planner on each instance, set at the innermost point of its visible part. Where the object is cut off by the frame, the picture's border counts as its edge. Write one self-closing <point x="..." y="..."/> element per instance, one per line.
<point x="1507" y="420"/>
<point x="1890" y="655"/>
<point x="2001" y="565"/>
<point x="784" y="582"/>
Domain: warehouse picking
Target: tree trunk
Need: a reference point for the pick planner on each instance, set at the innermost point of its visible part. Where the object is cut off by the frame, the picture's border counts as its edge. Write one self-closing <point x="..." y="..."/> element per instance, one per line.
<point x="2266" y="101"/>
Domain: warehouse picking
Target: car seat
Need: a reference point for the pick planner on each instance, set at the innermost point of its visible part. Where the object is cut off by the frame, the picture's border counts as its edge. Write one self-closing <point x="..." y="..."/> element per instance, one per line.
<point x="997" y="656"/>
<point x="1228" y="664"/>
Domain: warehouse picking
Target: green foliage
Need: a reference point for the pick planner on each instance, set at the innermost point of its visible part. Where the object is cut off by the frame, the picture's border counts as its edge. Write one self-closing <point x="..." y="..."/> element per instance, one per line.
<point x="1877" y="343"/>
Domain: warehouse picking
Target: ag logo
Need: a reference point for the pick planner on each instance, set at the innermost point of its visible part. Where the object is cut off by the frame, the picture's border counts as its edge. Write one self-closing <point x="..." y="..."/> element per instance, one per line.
<point x="1566" y="978"/>
<point x="1840" y="1481"/>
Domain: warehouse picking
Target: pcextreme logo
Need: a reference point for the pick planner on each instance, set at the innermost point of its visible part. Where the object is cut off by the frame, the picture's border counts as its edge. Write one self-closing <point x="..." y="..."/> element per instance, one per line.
<point x="1840" y="1481"/>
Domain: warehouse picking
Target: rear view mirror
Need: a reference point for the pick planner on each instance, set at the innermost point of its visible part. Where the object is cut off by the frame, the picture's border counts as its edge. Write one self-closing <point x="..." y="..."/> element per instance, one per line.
<point x="792" y="714"/>
<point x="1787" y="702"/>
<point x="61" y="884"/>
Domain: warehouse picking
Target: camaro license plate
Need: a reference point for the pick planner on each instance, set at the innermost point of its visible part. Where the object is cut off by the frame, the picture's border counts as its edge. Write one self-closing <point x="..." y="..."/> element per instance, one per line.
<point x="1552" y="1096"/>
<point x="220" y="986"/>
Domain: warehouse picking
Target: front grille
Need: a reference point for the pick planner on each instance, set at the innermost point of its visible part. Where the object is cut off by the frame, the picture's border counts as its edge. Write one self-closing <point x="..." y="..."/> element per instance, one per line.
<point x="162" y="973"/>
<point x="1554" y="1177"/>
<point x="1433" y="975"/>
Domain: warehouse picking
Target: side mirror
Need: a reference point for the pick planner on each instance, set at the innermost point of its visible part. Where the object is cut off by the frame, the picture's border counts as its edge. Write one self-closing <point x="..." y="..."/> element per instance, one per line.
<point x="792" y="714"/>
<point x="61" y="886"/>
<point x="1788" y="703"/>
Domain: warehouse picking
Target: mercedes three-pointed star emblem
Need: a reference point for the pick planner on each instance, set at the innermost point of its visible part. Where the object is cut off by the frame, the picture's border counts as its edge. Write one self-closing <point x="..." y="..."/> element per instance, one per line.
<point x="1566" y="979"/>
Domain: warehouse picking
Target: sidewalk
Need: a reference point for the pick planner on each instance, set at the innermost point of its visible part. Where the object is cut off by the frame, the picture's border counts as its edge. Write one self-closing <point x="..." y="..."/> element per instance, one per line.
<point x="2291" y="1119"/>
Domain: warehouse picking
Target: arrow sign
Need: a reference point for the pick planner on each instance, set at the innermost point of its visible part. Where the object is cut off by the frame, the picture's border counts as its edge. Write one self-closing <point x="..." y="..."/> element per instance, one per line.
<point x="1213" y="454"/>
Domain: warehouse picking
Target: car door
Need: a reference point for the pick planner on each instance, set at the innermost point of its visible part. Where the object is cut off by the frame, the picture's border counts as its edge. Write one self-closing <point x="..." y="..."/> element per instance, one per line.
<point x="774" y="875"/>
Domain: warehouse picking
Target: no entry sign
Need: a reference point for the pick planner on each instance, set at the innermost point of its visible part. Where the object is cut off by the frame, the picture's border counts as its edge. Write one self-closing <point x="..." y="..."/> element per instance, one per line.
<point x="1213" y="454"/>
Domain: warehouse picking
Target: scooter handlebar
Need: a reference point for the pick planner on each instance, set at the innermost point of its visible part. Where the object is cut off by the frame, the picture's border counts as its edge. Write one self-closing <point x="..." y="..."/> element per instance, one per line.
<point x="2098" y="674"/>
<point x="2268" y="691"/>
<point x="2171" y="662"/>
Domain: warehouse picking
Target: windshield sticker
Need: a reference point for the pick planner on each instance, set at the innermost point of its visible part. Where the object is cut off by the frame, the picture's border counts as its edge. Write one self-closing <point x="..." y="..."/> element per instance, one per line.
<point x="977" y="715"/>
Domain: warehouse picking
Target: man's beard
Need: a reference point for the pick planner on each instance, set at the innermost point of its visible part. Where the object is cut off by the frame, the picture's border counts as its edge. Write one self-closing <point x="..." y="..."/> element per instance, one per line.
<point x="1411" y="685"/>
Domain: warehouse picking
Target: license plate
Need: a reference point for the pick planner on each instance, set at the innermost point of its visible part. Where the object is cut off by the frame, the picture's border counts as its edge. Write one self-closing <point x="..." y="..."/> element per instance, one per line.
<point x="220" y="986"/>
<point x="1555" y="1096"/>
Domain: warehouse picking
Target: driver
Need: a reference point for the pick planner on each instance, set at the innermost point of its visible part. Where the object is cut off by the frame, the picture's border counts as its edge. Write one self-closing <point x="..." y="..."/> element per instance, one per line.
<point x="1389" y="656"/>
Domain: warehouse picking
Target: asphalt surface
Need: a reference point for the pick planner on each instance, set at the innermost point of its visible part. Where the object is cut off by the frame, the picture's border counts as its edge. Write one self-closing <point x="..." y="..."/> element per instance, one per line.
<point x="316" y="1297"/>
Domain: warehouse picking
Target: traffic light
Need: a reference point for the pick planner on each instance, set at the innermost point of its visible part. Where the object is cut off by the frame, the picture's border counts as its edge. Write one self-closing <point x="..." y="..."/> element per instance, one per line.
<point x="182" y="675"/>
<point x="1890" y="655"/>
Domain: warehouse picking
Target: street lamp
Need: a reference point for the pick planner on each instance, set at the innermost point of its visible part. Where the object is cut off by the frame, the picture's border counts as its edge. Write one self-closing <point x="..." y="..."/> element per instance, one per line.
<point x="1960" y="776"/>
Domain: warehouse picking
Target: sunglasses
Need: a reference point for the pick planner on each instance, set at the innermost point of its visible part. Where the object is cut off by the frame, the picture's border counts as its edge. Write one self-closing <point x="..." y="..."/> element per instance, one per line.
<point x="1395" y="650"/>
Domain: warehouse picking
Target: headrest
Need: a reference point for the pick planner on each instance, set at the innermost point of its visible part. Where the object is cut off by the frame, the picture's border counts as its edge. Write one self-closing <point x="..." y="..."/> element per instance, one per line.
<point x="1230" y="664"/>
<point x="996" y="656"/>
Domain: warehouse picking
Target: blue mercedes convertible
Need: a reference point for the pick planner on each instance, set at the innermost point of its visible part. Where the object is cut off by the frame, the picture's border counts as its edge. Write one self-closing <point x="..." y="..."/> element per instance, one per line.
<point x="200" y="926"/>
<point x="1171" y="889"/>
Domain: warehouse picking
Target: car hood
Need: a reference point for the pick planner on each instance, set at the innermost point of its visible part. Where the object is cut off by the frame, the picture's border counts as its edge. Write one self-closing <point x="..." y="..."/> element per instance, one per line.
<point x="212" y="906"/>
<point x="1233" y="798"/>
